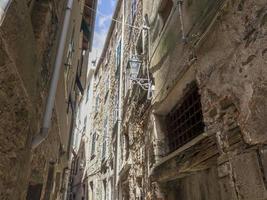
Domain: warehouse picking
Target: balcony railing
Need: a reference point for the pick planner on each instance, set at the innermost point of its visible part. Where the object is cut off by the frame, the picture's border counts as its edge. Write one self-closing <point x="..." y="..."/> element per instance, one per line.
<point x="4" y="4"/>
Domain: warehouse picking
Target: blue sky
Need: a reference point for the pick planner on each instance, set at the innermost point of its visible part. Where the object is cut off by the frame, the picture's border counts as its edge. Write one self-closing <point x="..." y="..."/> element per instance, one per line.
<point x="103" y="18"/>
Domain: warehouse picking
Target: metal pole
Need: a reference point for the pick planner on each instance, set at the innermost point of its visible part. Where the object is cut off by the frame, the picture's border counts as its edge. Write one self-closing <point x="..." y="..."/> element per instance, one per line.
<point x="118" y="146"/>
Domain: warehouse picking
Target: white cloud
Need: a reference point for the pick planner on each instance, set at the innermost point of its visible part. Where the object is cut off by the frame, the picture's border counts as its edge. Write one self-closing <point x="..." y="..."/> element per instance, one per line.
<point x="113" y="3"/>
<point x="99" y="41"/>
<point x="101" y="30"/>
<point x="103" y="19"/>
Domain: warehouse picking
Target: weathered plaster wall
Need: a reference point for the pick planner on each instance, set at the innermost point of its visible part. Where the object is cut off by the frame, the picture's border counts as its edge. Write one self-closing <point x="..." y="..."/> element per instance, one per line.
<point x="28" y="44"/>
<point x="229" y="66"/>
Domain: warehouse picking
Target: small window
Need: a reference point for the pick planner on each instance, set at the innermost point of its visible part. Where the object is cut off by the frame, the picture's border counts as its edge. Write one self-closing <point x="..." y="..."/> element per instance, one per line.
<point x="133" y="10"/>
<point x="118" y="59"/>
<point x="139" y="43"/>
<point x="70" y="104"/>
<point x="84" y="124"/>
<point x="70" y="51"/>
<point x="93" y="146"/>
<point x="185" y="121"/>
<point x="107" y="84"/>
<point x="165" y="10"/>
<point x="116" y="107"/>
<point x="105" y="135"/>
<point x="88" y="93"/>
<point x="104" y="190"/>
<point x="96" y="104"/>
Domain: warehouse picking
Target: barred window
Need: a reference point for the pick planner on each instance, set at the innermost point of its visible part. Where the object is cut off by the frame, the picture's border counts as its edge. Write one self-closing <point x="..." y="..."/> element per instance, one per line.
<point x="185" y="121"/>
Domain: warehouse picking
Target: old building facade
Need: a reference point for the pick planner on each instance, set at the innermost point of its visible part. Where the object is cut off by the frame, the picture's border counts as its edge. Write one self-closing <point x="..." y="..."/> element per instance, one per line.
<point x="35" y="159"/>
<point x="201" y="135"/>
<point x="204" y="120"/>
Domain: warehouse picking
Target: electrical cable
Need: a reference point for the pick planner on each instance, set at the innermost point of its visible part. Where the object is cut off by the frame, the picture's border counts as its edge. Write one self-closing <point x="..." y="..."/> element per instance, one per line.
<point x="97" y="12"/>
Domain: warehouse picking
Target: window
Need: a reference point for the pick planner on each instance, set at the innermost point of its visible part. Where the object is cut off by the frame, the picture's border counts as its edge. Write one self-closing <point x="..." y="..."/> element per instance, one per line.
<point x="93" y="146"/>
<point x="70" y="104"/>
<point x="77" y="165"/>
<point x="68" y="62"/>
<point x="139" y="44"/>
<point x="116" y="106"/>
<point x="70" y="51"/>
<point x="107" y="83"/>
<point x="88" y="93"/>
<point x="91" y="193"/>
<point x="84" y="191"/>
<point x="165" y="10"/>
<point x="118" y="59"/>
<point x="84" y="124"/>
<point x="107" y="57"/>
<point x="104" y="190"/>
<point x="133" y="11"/>
<point x="105" y="135"/>
<point x="96" y="104"/>
<point x="185" y="121"/>
<point x="34" y="191"/>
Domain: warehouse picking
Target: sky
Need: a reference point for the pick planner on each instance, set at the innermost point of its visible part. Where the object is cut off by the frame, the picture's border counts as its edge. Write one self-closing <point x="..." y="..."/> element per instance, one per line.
<point x="103" y="19"/>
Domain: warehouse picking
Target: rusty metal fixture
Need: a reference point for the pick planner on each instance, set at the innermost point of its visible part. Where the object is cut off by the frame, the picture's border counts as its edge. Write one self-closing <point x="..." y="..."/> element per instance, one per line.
<point x="185" y="121"/>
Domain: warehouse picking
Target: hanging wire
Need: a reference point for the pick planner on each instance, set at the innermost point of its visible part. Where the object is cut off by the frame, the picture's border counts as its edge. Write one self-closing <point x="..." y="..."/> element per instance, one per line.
<point x="97" y="12"/>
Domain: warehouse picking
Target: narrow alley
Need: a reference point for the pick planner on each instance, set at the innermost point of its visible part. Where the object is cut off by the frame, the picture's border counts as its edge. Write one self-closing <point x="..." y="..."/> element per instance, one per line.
<point x="133" y="100"/>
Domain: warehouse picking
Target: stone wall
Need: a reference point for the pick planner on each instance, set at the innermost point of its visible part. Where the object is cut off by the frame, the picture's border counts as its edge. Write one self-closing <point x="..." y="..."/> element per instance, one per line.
<point x="224" y="53"/>
<point x="29" y="38"/>
<point x="228" y="64"/>
<point x="106" y="89"/>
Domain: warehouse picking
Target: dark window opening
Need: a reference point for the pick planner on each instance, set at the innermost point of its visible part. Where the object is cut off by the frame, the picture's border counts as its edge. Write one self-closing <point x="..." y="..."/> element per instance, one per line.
<point x="49" y="181"/>
<point x="76" y="165"/>
<point x="133" y="11"/>
<point x="118" y="59"/>
<point x="93" y="146"/>
<point x="165" y="10"/>
<point x="139" y="44"/>
<point x="185" y="121"/>
<point x="34" y="192"/>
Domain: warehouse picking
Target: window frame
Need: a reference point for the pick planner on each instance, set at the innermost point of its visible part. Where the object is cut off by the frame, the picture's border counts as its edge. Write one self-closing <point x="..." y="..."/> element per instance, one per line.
<point x="118" y="58"/>
<point x="93" y="145"/>
<point x="88" y="92"/>
<point x="105" y="135"/>
<point x="185" y="121"/>
<point x="107" y="84"/>
<point x="96" y="104"/>
<point x="133" y="10"/>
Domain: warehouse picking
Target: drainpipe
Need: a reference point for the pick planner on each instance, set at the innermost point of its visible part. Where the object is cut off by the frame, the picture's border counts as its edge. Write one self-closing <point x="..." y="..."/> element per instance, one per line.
<point x="38" y="139"/>
<point x="180" y="7"/>
<point x="118" y="146"/>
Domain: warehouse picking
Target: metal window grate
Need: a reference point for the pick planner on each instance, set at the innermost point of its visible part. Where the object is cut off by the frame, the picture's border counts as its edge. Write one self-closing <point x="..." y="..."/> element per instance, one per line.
<point x="185" y="121"/>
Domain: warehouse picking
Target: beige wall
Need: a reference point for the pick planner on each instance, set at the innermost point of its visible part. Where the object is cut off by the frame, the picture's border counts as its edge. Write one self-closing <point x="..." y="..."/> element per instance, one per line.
<point x="29" y="39"/>
<point x="67" y="82"/>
